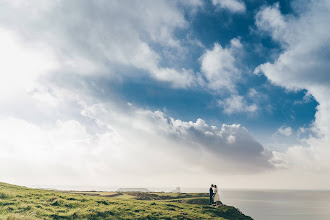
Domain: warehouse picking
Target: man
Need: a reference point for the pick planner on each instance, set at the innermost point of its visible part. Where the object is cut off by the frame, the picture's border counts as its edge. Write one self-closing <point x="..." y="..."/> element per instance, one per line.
<point x="211" y="194"/>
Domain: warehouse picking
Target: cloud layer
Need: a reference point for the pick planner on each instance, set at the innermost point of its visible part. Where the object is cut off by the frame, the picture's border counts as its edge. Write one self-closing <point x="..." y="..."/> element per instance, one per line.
<point x="303" y="64"/>
<point x="117" y="42"/>
<point x="60" y="60"/>
<point x="125" y="137"/>
<point x="71" y="134"/>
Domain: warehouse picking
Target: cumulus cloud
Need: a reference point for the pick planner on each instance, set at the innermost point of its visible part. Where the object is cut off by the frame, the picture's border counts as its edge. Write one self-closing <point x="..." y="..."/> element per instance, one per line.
<point x="270" y="20"/>
<point x="229" y="144"/>
<point x="236" y="104"/>
<point x="235" y="6"/>
<point x="219" y="66"/>
<point x="303" y="64"/>
<point x="287" y="131"/>
<point x="126" y="137"/>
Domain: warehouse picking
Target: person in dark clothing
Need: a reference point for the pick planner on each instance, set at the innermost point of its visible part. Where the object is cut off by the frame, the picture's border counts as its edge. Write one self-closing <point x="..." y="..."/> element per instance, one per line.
<point x="211" y="194"/>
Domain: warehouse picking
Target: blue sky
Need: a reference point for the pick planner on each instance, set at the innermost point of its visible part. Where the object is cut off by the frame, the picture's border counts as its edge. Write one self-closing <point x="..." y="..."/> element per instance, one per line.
<point x="164" y="92"/>
<point x="277" y="106"/>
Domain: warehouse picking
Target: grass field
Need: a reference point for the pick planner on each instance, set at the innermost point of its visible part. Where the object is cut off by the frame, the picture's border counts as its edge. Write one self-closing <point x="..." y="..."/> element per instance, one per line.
<point x="18" y="202"/>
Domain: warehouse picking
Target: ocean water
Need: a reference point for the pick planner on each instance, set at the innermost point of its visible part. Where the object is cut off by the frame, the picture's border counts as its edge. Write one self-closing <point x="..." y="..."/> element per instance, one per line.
<point x="280" y="204"/>
<point x="276" y="204"/>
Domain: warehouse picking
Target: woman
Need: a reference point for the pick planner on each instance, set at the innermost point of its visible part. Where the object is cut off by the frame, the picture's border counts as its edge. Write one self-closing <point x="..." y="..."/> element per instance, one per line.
<point x="216" y="197"/>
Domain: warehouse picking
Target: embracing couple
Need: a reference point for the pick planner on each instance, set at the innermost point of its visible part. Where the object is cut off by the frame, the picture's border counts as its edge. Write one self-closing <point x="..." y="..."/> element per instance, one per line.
<point x="214" y="196"/>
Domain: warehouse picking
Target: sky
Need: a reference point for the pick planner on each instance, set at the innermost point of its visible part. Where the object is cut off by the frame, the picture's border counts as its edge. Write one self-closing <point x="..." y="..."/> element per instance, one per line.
<point x="165" y="93"/>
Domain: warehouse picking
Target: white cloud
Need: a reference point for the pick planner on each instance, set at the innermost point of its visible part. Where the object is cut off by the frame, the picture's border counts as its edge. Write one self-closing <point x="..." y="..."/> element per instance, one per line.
<point x="197" y="139"/>
<point x="236" y="104"/>
<point x="219" y="66"/>
<point x="66" y="139"/>
<point x="314" y="158"/>
<point x="62" y="152"/>
<point x="118" y="42"/>
<point x="56" y="143"/>
<point x="235" y="6"/>
<point x="68" y="152"/>
<point x="22" y="65"/>
<point x="270" y="20"/>
<point x="287" y="131"/>
<point x="303" y="64"/>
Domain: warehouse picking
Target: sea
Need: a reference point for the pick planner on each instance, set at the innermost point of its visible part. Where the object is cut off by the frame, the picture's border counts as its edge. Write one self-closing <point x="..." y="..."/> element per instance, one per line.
<point x="275" y="204"/>
<point x="261" y="204"/>
<point x="280" y="204"/>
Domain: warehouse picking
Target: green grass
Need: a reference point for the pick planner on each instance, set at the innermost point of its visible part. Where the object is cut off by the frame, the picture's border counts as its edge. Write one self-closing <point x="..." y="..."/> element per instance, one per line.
<point x="18" y="202"/>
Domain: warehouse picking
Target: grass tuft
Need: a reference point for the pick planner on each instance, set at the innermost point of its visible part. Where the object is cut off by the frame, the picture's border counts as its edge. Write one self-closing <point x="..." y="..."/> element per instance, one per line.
<point x="4" y="195"/>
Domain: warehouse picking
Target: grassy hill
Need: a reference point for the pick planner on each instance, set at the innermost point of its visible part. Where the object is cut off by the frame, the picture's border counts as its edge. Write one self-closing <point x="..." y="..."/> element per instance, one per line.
<point x="18" y="202"/>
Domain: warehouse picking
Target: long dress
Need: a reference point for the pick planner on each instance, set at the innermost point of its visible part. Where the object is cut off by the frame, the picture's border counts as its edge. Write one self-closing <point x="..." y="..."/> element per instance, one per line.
<point x="216" y="196"/>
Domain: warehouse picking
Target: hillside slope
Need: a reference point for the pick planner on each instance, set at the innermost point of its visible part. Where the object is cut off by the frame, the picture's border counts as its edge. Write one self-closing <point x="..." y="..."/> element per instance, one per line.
<point x="18" y="202"/>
